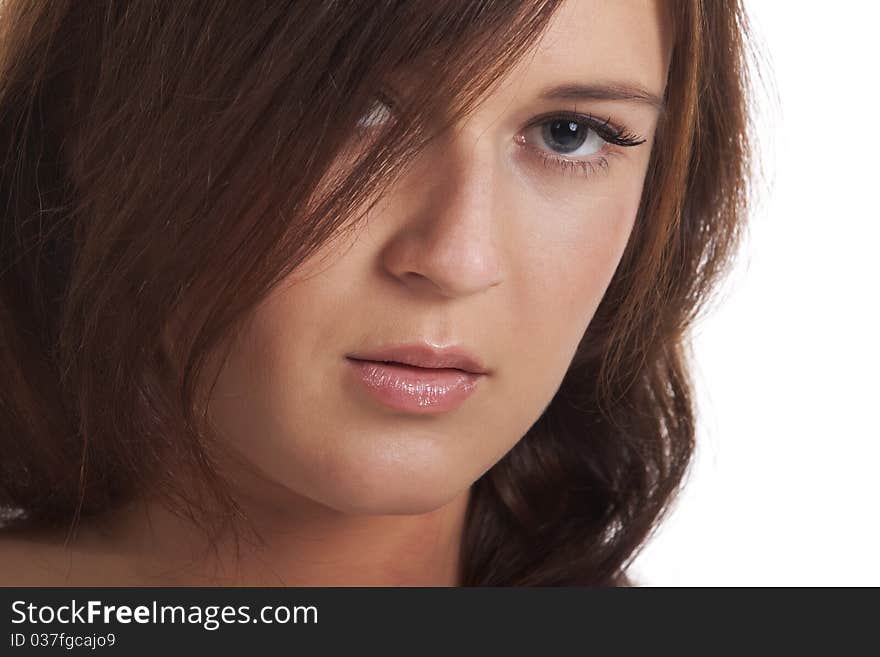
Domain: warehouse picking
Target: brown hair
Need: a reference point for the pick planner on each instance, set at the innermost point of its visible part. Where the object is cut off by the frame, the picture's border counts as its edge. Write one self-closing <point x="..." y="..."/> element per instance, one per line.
<point x="154" y="154"/>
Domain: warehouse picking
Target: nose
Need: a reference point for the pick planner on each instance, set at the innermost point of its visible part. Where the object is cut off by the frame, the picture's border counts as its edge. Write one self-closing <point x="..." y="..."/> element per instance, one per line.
<point x="448" y="243"/>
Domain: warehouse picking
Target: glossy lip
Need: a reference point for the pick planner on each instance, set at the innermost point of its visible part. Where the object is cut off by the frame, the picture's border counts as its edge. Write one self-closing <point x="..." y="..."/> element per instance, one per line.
<point x="411" y="389"/>
<point x="417" y="378"/>
<point x="422" y="354"/>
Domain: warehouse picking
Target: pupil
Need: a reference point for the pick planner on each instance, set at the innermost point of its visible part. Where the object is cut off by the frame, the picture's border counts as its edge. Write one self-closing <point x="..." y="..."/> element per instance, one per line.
<point x="565" y="135"/>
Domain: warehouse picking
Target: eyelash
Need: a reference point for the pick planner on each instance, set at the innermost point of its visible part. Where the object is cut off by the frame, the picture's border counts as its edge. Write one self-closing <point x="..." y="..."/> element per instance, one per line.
<point x="606" y="130"/>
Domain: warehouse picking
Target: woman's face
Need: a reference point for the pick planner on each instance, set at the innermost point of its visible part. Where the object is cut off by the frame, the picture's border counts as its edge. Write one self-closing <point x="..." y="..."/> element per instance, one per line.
<point x="486" y="244"/>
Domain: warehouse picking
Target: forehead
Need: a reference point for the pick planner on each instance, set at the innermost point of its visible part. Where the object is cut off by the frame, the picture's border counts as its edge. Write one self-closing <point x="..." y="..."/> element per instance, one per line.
<point x="591" y="40"/>
<point x="614" y="47"/>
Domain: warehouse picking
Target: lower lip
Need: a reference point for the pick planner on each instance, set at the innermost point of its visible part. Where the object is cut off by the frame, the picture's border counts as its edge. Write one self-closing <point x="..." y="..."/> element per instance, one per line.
<point x="418" y="390"/>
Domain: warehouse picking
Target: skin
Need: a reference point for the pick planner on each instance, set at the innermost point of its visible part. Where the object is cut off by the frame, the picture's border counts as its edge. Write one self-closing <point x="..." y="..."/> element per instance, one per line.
<point x="480" y="244"/>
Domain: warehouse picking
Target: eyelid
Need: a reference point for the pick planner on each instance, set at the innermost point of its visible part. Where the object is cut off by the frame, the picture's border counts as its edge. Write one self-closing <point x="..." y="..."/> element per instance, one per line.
<point x="607" y="129"/>
<point x="615" y="134"/>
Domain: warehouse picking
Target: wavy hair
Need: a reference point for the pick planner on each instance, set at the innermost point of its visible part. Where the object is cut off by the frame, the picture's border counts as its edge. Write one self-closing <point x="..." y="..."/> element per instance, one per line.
<point x="168" y="163"/>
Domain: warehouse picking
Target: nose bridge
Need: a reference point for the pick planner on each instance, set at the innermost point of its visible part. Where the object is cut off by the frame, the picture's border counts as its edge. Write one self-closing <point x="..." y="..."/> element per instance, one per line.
<point x="450" y="240"/>
<point x="466" y="172"/>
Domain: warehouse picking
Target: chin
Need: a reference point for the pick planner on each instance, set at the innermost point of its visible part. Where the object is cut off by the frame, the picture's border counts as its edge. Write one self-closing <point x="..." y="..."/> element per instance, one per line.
<point x="403" y="492"/>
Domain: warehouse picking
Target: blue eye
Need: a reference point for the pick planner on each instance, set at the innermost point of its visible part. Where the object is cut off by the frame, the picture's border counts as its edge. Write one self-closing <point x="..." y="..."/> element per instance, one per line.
<point x="570" y="136"/>
<point x="578" y="137"/>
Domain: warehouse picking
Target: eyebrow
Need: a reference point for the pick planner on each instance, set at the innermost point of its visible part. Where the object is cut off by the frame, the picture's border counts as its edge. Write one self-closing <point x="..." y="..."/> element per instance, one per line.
<point x="605" y="91"/>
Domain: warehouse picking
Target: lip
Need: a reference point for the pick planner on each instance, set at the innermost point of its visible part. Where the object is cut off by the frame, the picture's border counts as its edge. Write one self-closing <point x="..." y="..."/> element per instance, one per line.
<point x="415" y="390"/>
<point x="417" y="378"/>
<point x="422" y="354"/>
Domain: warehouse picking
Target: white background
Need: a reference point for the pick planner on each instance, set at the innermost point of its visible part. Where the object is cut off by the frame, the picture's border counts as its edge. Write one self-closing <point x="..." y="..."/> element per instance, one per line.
<point x="784" y="489"/>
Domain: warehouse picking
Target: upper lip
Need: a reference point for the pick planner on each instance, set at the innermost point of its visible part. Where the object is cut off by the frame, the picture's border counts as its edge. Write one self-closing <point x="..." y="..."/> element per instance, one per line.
<point x="422" y="354"/>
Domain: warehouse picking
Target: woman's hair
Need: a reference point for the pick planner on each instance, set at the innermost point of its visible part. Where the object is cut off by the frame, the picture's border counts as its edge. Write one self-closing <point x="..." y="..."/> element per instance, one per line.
<point x="165" y="164"/>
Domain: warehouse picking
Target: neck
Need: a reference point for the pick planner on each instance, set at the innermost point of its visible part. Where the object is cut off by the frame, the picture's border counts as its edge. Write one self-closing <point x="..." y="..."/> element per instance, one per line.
<point x="303" y="543"/>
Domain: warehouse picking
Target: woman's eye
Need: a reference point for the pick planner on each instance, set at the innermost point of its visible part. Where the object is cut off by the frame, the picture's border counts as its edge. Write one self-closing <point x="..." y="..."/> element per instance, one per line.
<point x="568" y="137"/>
<point x="566" y="142"/>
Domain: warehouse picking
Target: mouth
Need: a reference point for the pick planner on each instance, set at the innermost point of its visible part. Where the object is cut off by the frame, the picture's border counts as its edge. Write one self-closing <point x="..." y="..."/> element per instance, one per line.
<point x="413" y="389"/>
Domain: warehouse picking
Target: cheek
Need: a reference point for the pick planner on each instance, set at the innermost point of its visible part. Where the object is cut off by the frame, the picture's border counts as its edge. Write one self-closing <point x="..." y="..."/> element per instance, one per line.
<point x="558" y="290"/>
<point x="569" y="274"/>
